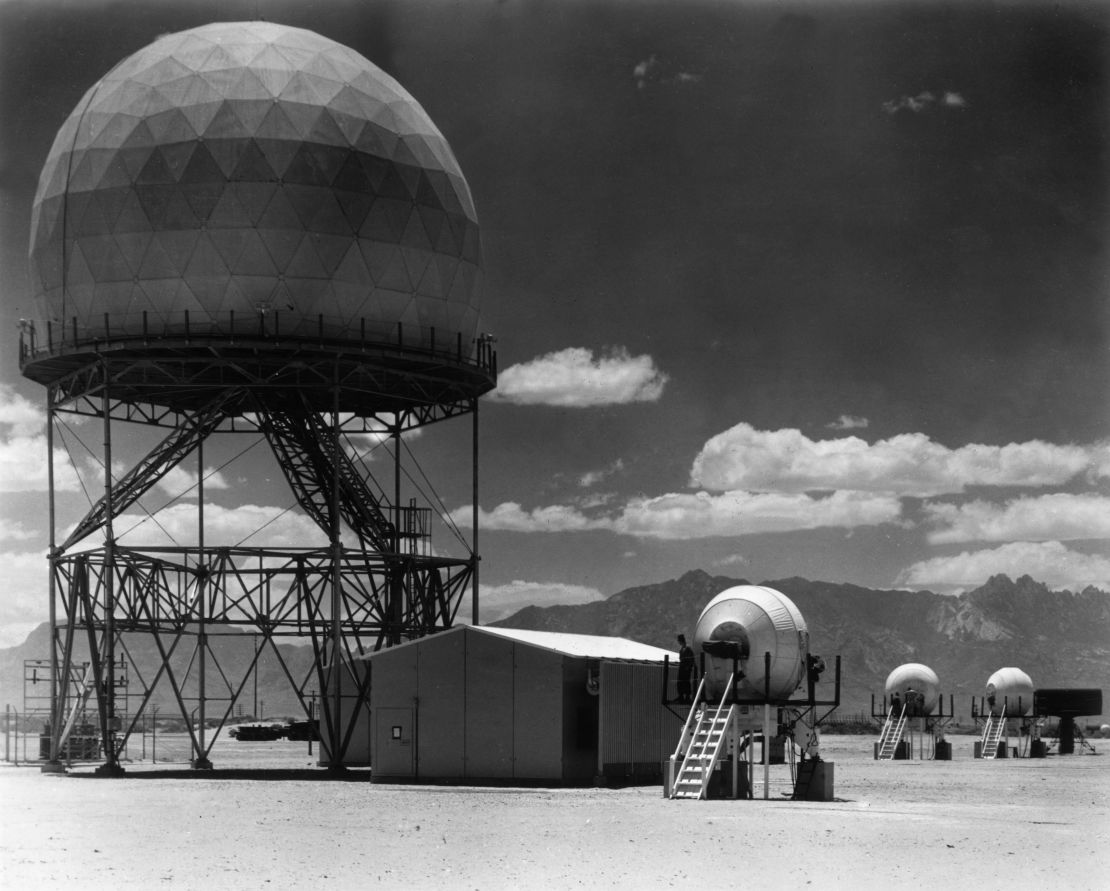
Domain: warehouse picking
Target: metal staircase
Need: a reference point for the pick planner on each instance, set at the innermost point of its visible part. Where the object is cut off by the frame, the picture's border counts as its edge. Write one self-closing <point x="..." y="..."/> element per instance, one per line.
<point x="893" y="729"/>
<point x="305" y="446"/>
<point x="701" y="745"/>
<point x="993" y="732"/>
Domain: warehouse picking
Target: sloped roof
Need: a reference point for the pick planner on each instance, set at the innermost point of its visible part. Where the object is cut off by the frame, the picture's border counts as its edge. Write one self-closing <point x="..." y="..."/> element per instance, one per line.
<point x="590" y="645"/>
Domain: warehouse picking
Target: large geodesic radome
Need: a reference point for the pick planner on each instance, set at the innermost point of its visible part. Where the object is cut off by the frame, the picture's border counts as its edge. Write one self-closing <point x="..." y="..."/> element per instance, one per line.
<point x="245" y="170"/>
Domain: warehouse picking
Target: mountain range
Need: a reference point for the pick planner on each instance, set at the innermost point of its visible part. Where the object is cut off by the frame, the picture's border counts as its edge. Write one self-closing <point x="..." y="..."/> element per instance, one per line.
<point x="1059" y="638"/>
<point x="231" y="655"/>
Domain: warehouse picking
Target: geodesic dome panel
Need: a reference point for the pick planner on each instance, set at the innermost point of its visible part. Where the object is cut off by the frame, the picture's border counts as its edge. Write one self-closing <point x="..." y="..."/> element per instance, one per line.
<point x="257" y="170"/>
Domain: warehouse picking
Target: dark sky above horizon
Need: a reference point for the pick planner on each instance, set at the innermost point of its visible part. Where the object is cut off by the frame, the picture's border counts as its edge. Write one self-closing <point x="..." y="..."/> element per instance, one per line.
<point x="880" y="226"/>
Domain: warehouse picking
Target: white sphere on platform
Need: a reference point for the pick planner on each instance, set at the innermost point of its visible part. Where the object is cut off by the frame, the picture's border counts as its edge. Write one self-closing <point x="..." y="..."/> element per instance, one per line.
<point x="1012" y="688"/>
<point x="914" y="678"/>
<point x="762" y="620"/>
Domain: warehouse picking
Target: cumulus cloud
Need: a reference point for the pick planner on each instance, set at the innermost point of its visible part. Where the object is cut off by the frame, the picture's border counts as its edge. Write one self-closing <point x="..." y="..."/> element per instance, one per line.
<point x="511" y="517"/>
<point x="644" y="70"/>
<point x="19" y="415"/>
<point x="575" y="378"/>
<point x="705" y="515"/>
<point x="732" y="560"/>
<point x="1047" y="561"/>
<point x="653" y="70"/>
<point x="909" y="464"/>
<point x="595" y="500"/>
<point x="180" y="481"/>
<point x="593" y="477"/>
<point x="924" y="101"/>
<point x="177" y="524"/>
<point x="365" y="444"/>
<point x="25" y="602"/>
<point x="848" y="422"/>
<point x="23" y="454"/>
<point x="1059" y="516"/>
<point x="497" y="602"/>
<point x="678" y="517"/>
<point x="12" y="530"/>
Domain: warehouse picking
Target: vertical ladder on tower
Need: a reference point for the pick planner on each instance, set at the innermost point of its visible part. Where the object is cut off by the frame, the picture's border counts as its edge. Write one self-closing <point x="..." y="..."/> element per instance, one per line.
<point x="702" y="746"/>
<point x="992" y="735"/>
<point x="893" y="729"/>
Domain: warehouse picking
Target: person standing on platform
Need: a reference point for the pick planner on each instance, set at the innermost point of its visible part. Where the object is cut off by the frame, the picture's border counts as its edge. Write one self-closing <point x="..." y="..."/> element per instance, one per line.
<point x="687" y="670"/>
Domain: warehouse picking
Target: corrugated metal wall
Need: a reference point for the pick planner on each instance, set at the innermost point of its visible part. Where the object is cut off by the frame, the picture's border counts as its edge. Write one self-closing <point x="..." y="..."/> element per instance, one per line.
<point x="636" y="732"/>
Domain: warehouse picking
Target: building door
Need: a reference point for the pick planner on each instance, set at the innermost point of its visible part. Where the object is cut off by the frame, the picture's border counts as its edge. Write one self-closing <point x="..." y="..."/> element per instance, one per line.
<point x="394" y="745"/>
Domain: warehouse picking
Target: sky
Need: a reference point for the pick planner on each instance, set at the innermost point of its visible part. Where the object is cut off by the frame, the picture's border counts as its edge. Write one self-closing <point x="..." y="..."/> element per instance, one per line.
<point x="779" y="289"/>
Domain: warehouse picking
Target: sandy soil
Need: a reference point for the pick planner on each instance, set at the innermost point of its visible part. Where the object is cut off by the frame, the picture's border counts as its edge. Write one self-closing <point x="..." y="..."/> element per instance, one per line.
<point x="965" y="823"/>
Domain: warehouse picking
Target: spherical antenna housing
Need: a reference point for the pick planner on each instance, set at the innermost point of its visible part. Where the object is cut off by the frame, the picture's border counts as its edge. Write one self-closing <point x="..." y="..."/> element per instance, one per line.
<point x="760" y="620"/>
<point x="250" y="179"/>
<point x="1011" y="688"/>
<point x="911" y="679"/>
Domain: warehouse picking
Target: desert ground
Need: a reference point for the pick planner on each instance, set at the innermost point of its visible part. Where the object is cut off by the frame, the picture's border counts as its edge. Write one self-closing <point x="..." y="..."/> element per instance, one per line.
<point x="908" y="824"/>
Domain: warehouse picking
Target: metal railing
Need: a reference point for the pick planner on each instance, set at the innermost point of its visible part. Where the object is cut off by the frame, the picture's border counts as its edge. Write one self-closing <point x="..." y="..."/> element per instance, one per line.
<point x="39" y="339"/>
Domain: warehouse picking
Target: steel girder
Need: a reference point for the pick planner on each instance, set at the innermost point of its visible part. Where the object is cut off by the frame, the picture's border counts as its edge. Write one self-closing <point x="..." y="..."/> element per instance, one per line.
<point x="180" y="376"/>
<point x="153" y="393"/>
<point x="161" y="460"/>
<point x="170" y="594"/>
<point x="284" y="589"/>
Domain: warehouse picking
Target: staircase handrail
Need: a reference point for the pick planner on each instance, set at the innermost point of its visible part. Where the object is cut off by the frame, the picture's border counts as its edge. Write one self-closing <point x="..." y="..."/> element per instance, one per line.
<point x="683" y="739"/>
<point x="992" y="734"/>
<point x="724" y="699"/>
<point x="716" y="756"/>
<point x="888" y="728"/>
<point x="892" y="733"/>
<point x="689" y="751"/>
<point x="986" y="731"/>
<point x="715" y="724"/>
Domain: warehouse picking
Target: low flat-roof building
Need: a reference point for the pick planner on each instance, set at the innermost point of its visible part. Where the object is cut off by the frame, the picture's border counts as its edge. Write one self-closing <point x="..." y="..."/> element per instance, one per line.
<point x="500" y="705"/>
